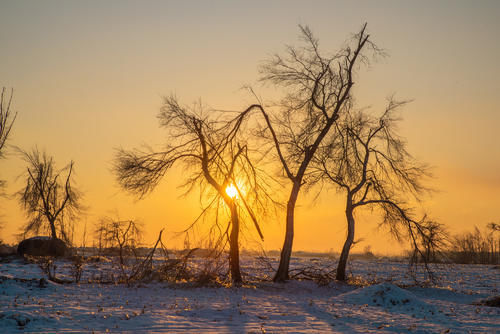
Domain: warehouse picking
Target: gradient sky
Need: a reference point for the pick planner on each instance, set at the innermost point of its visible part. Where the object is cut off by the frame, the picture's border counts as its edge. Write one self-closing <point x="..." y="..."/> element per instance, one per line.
<point x="89" y="76"/>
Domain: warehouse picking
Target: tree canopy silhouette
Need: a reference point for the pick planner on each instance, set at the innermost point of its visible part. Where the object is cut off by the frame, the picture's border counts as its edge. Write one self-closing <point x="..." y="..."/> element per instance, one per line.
<point x="318" y="89"/>
<point x="208" y="145"/>
<point x="368" y="161"/>
<point x="48" y="198"/>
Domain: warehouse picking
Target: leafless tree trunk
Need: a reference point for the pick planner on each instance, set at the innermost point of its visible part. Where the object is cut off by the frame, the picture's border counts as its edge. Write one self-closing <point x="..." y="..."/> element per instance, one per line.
<point x="341" y="267"/>
<point x="282" y="273"/>
<point x="234" y="249"/>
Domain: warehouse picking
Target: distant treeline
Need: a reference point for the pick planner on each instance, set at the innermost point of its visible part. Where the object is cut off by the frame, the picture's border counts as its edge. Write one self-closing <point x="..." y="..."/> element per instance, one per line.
<point x="476" y="247"/>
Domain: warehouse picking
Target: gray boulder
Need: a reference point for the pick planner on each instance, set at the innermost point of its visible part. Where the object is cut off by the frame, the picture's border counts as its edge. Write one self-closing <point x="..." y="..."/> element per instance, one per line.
<point x="43" y="246"/>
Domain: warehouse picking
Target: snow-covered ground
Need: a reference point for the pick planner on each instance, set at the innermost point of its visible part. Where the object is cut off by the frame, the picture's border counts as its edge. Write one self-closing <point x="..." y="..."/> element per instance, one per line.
<point x="390" y="304"/>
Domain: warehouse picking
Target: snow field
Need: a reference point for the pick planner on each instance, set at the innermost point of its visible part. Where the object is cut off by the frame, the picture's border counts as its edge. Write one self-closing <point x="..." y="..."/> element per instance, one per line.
<point x="28" y="305"/>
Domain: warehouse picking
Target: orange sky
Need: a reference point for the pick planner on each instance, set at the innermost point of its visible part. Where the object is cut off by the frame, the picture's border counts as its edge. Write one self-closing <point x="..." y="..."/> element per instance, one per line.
<point x="89" y="76"/>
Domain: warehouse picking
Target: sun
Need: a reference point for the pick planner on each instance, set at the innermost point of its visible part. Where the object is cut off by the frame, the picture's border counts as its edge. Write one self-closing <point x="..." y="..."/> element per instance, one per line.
<point x="231" y="191"/>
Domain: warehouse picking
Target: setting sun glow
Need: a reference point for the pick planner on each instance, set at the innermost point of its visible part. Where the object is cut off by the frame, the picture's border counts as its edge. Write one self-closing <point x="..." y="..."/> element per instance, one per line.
<point x="231" y="191"/>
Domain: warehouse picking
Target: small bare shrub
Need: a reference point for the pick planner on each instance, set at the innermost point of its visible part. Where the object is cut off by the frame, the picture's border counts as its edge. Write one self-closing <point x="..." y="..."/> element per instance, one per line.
<point x="46" y="263"/>
<point x="77" y="264"/>
<point x="124" y="235"/>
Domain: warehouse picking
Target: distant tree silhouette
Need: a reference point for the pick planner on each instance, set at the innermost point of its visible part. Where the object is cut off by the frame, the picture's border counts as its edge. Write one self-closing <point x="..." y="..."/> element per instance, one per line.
<point x="6" y="121"/>
<point x="318" y="89"/>
<point x="48" y="198"/>
<point x="214" y="156"/>
<point x="368" y="161"/>
<point x="477" y="247"/>
<point x="122" y="234"/>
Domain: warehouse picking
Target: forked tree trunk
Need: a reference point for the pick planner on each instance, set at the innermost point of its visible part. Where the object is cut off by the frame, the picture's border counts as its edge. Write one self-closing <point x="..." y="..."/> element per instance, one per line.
<point x="282" y="272"/>
<point x="341" y="267"/>
<point x="234" y="251"/>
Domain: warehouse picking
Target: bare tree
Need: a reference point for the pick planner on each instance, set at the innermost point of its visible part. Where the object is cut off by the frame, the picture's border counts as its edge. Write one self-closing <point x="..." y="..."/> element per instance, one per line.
<point x="218" y="158"/>
<point x="368" y="161"/>
<point x="122" y="234"/>
<point x="6" y="121"/>
<point x="6" y="118"/>
<point x="318" y="89"/>
<point x="49" y="201"/>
